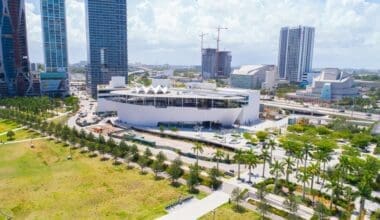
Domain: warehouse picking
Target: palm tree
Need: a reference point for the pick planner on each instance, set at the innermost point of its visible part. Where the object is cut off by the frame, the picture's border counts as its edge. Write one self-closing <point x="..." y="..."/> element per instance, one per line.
<point x="291" y="204"/>
<point x="304" y="177"/>
<point x="264" y="157"/>
<point x="239" y="158"/>
<point x="323" y="155"/>
<point x="251" y="160"/>
<point x="365" y="191"/>
<point x="333" y="186"/>
<point x="272" y="146"/>
<point x="289" y="163"/>
<point x="306" y="153"/>
<point x="313" y="170"/>
<point x="197" y="148"/>
<point x="276" y="169"/>
<point x="218" y="156"/>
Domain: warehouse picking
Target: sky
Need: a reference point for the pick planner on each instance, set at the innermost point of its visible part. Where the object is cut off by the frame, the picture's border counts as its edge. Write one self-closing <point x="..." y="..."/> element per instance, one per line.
<point x="167" y="31"/>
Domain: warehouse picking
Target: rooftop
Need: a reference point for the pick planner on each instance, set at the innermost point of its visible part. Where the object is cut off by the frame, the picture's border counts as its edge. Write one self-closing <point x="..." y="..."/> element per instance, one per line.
<point x="164" y="92"/>
<point x="249" y="69"/>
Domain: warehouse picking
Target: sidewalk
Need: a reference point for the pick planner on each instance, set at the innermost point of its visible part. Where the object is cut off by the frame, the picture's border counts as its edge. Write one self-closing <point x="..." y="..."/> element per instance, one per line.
<point x="198" y="208"/>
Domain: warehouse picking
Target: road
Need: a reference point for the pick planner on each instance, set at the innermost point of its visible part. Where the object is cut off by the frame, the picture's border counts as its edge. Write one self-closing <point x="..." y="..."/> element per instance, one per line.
<point x="319" y="110"/>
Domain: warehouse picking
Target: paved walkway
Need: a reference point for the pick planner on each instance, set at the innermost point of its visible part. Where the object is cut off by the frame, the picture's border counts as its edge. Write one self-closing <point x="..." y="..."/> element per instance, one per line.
<point x="197" y="209"/>
<point x="25" y="140"/>
<point x="15" y="129"/>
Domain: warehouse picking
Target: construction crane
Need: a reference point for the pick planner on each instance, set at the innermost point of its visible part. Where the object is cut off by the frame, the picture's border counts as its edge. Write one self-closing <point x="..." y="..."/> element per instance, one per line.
<point x="218" y="38"/>
<point x="202" y="35"/>
<point x="217" y="49"/>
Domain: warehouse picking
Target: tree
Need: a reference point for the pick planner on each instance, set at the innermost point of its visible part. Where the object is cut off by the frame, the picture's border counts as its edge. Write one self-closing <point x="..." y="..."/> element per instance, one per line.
<point x="236" y="197"/>
<point x="323" y="154"/>
<point x="143" y="162"/>
<point x="272" y="146"/>
<point x="304" y="177"/>
<point x="263" y="203"/>
<point x="159" y="164"/>
<point x="197" y="148"/>
<point x="214" y="180"/>
<point x="321" y="210"/>
<point x="289" y="163"/>
<point x="10" y="135"/>
<point x="262" y="136"/>
<point x="82" y="143"/>
<point x="239" y="158"/>
<point x="218" y="156"/>
<point x="313" y="170"/>
<point x="333" y="184"/>
<point x="134" y="152"/>
<point x="116" y="152"/>
<point x="251" y="160"/>
<point x="123" y="147"/>
<point x="365" y="191"/>
<point x="128" y="157"/>
<point x="264" y="157"/>
<point x="276" y="169"/>
<point x="193" y="178"/>
<point x="306" y="153"/>
<point x="175" y="171"/>
<point x="291" y="204"/>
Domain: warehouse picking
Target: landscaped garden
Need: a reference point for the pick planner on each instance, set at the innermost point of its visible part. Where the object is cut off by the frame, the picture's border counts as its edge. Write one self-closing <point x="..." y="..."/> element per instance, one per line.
<point x="41" y="183"/>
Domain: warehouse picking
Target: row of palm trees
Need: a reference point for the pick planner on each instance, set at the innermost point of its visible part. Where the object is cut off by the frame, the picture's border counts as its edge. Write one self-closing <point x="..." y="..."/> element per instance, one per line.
<point x="315" y="156"/>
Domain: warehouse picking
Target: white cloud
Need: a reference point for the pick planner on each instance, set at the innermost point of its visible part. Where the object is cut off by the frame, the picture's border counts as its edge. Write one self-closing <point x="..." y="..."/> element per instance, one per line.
<point x="159" y="31"/>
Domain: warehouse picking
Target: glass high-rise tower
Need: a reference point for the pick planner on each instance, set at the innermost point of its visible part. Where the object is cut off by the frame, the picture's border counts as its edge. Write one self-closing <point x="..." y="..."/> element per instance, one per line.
<point x="295" y="55"/>
<point x="55" y="80"/>
<point x="14" y="61"/>
<point x="107" y="54"/>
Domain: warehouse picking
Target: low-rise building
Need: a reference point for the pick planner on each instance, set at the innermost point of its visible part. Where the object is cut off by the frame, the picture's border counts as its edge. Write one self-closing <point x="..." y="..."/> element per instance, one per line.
<point x="195" y="105"/>
<point x="253" y="76"/>
<point x="330" y="85"/>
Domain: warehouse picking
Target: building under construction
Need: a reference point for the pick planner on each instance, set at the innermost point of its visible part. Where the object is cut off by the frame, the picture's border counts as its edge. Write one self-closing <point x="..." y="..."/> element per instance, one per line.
<point x="215" y="63"/>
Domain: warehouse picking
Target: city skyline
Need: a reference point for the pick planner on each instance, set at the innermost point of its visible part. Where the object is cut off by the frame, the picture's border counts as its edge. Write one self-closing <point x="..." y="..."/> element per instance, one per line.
<point x="347" y="33"/>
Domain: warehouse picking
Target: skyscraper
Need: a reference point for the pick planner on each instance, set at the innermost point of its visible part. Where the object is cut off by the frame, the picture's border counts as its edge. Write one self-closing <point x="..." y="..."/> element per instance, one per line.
<point x="107" y="42"/>
<point x="55" y="80"/>
<point x="14" y="61"/>
<point x="295" y="55"/>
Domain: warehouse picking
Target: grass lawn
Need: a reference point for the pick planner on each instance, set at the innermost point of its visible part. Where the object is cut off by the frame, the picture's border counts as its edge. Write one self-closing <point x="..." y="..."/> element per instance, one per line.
<point x="40" y="183"/>
<point x="6" y="125"/>
<point x="226" y="212"/>
<point x="20" y="135"/>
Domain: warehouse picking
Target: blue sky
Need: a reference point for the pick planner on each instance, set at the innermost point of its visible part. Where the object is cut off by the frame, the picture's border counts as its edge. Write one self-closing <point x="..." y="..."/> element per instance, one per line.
<point x="166" y="31"/>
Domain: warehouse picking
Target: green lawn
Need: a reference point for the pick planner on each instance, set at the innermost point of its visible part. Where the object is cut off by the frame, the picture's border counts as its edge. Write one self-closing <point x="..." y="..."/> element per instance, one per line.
<point x="20" y="135"/>
<point x="227" y="212"/>
<point x="6" y="125"/>
<point x="40" y="183"/>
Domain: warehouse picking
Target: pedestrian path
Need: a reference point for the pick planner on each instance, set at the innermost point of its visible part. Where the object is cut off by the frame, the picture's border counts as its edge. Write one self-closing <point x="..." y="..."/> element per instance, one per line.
<point x="197" y="209"/>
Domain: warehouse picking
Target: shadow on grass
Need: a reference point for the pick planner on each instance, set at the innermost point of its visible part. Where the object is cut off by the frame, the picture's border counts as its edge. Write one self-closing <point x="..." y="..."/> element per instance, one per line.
<point x="104" y="159"/>
<point x="239" y="209"/>
<point x="92" y="155"/>
<point x="158" y="178"/>
<point x="116" y="163"/>
<point x="175" y="184"/>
